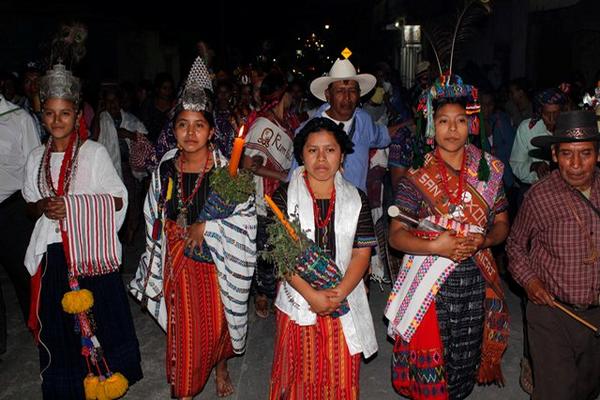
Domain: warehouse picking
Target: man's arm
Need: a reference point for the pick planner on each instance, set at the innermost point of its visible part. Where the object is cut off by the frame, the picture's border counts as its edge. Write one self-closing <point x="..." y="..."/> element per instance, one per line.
<point x="523" y="230"/>
<point x="29" y="137"/>
<point x="380" y="137"/>
<point x="520" y="160"/>
<point x="520" y="264"/>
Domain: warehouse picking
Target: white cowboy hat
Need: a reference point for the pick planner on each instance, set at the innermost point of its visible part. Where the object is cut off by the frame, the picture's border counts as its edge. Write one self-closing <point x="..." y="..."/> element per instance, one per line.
<point x="341" y="70"/>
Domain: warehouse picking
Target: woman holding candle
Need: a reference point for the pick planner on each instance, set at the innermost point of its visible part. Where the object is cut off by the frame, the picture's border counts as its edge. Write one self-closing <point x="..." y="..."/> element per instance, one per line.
<point x="316" y="355"/>
<point x="268" y="154"/>
<point x="198" y="295"/>
<point x="446" y="310"/>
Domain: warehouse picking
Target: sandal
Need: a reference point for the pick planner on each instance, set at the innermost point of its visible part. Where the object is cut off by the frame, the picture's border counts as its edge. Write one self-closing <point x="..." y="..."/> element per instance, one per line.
<point x="261" y="306"/>
<point x="526" y="378"/>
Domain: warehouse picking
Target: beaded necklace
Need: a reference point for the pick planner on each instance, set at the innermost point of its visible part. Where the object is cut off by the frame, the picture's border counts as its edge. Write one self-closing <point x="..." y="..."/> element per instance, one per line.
<point x="68" y="168"/>
<point x="455" y="207"/>
<point x="321" y="224"/>
<point x="184" y="202"/>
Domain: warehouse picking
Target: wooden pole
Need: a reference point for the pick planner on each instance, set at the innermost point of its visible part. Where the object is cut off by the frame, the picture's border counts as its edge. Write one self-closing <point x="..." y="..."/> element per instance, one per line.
<point x="576" y="317"/>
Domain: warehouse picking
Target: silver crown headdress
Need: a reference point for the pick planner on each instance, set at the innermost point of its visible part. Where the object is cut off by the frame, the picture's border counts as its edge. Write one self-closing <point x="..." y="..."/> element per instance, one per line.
<point x="59" y="83"/>
<point x="193" y="97"/>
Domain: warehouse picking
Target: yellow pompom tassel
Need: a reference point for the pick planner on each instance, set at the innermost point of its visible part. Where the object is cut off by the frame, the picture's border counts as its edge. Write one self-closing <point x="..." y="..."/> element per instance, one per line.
<point x="101" y="391"/>
<point x="116" y="385"/>
<point x="90" y="386"/>
<point x="77" y="301"/>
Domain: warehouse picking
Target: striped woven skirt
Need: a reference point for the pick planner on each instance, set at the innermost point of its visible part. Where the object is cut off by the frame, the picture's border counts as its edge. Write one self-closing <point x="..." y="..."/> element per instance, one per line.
<point x="460" y="316"/>
<point x="313" y="362"/>
<point x="197" y="334"/>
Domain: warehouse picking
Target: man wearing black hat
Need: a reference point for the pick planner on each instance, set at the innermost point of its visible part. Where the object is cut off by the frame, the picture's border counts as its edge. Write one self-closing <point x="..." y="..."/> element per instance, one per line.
<point x="554" y="253"/>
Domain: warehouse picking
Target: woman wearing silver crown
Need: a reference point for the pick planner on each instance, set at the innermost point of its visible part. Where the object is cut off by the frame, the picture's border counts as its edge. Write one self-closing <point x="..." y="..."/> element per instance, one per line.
<point x="200" y="251"/>
<point x="80" y="313"/>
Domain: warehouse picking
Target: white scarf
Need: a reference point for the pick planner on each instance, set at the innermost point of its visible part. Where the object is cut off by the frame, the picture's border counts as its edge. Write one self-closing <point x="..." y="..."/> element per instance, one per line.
<point x="357" y="324"/>
<point x="232" y="243"/>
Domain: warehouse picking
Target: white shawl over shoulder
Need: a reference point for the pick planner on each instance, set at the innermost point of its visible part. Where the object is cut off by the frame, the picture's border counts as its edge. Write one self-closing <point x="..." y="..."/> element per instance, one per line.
<point x="358" y="323"/>
<point x="232" y="243"/>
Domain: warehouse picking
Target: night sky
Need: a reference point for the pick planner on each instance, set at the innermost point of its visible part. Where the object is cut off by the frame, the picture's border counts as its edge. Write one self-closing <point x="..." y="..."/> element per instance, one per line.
<point x="238" y="31"/>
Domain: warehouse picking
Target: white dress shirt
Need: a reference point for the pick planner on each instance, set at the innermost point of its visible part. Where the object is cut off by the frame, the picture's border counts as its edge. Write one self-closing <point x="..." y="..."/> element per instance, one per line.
<point x="520" y="159"/>
<point x="18" y="136"/>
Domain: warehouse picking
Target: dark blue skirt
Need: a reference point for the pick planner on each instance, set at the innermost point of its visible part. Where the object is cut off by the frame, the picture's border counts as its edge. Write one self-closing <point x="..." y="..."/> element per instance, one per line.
<point x="62" y="366"/>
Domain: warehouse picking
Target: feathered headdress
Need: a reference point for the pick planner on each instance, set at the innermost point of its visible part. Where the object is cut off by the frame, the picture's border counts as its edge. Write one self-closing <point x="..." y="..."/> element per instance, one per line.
<point x="67" y="48"/>
<point x="450" y="85"/>
<point x="68" y="45"/>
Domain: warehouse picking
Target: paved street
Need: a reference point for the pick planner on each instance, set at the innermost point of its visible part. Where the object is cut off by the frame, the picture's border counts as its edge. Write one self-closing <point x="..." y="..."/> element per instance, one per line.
<point x="19" y="369"/>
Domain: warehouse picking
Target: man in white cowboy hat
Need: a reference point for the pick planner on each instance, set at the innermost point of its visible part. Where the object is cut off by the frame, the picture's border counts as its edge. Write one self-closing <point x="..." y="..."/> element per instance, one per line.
<point x="341" y="89"/>
<point x="554" y="253"/>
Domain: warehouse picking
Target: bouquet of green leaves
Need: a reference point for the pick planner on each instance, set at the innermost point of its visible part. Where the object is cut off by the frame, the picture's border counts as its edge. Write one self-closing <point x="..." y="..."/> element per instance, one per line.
<point x="226" y="192"/>
<point x="304" y="257"/>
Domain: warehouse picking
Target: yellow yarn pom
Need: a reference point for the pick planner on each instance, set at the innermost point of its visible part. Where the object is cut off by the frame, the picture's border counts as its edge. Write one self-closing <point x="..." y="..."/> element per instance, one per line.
<point x="77" y="301"/>
<point x="101" y="391"/>
<point x="90" y="386"/>
<point x="116" y="385"/>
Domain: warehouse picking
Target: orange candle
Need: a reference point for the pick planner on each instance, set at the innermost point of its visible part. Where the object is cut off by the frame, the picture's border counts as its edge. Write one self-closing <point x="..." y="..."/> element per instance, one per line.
<point x="236" y="153"/>
<point x="281" y="217"/>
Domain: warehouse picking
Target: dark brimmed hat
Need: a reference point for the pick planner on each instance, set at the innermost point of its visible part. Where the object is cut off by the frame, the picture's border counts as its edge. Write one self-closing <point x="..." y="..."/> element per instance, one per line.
<point x="571" y="126"/>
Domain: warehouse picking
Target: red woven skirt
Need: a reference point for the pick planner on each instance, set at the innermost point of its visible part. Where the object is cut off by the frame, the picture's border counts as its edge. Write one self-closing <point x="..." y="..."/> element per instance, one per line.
<point x="313" y="362"/>
<point x="197" y="335"/>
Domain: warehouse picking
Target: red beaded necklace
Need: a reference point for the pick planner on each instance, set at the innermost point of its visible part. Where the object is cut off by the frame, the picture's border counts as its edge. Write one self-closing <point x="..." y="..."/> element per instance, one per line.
<point x="444" y="174"/>
<point x="67" y="166"/>
<point x="181" y="192"/>
<point x="317" y="211"/>
<point x="183" y="202"/>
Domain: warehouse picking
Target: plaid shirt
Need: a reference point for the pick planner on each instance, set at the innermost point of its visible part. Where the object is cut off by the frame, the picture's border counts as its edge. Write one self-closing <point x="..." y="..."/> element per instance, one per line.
<point x="548" y="242"/>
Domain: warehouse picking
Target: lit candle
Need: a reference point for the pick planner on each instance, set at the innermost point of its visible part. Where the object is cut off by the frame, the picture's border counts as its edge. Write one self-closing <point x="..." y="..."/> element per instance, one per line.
<point x="236" y="153"/>
<point x="281" y="217"/>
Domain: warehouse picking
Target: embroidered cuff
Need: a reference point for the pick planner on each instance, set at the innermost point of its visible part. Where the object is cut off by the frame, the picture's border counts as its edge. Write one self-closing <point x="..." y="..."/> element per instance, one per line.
<point x="215" y="207"/>
<point x="365" y="241"/>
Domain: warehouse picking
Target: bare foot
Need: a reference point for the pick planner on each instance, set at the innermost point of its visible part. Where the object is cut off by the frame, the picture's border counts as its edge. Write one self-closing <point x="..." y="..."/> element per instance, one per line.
<point x="223" y="380"/>
<point x="261" y="306"/>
